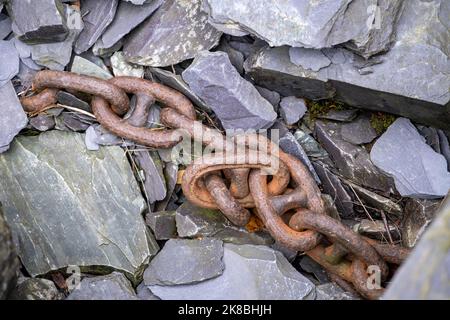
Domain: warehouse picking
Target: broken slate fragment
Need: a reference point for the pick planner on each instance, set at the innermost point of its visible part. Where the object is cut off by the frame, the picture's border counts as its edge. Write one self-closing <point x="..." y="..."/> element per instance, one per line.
<point x="97" y="15"/>
<point x="114" y="286"/>
<point x="183" y="261"/>
<point x="42" y="122"/>
<point x="81" y="65"/>
<point x="246" y="274"/>
<point x="292" y="109"/>
<point x="10" y="61"/>
<point x="162" y="224"/>
<point x="309" y="58"/>
<point x="151" y="174"/>
<point x="68" y="99"/>
<point x="359" y="131"/>
<point x="36" y="289"/>
<point x="144" y="293"/>
<point x="127" y="17"/>
<point x="5" y="26"/>
<point x="346" y="115"/>
<point x="272" y="96"/>
<point x="234" y="100"/>
<point x="312" y="148"/>
<point x="9" y="264"/>
<point x="122" y="68"/>
<point x="13" y="117"/>
<point x="418" y="215"/>
<point x="38" y="21"/>
<point x="95" y="191"/>
<point x="177" y="31"/>
<point x="418" y="171"/>
<point x="331" y="291"/>
<point x="236" y="57"/>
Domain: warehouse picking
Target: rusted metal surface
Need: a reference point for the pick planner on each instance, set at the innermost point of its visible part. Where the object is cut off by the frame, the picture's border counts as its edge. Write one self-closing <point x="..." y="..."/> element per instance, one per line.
<point x="239" y="175"/>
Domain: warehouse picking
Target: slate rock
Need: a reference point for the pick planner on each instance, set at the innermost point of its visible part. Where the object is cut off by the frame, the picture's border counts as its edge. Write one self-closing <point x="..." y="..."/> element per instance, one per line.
<point x="83" y="66"/>
<point x="359" y="131"/>
<point x="13" y="117"/>
<point x="331" y="291"/>
<point x="70" y="100"/>
<point x="138" y="2"/>
<point x="144" y="293"/>
<point x="246" y="274"/>
<point x="419" y="90"/>
<point x="195" y="222"/>
<point x="122" y="68"/>
<point x="127" y="17"/>
<point x="171" y="176"/>
<point x="236" y="57"/>
<point x="176" y="82"/>
<point x="97" y="16"/>
<point x="5" y="26"/>
<point x="444" y="144"/>
<point x="418" y="215"/>
<point x="9" y="264"/>
<point x="312" y="148"/>
<point x="162" y="224"/>
<point x="376" y="229"/>
<point x="309" y="265"/>
<point x="333" y="186"/>
<point x="73" y="122"/>
<point x="57" y="55"/>
<point x="353" y="162"/>
<point x="92" y="193"/>
<point x="8" y="54"/>
<point x="272" y="96"/>
<point x="424" y="275"/>
<point x="289" y="144"/>
<point x="346" y="115"/>
<point x="292" y="109"/>
<point x="177" y="31"/>
<point x="234" y="100"/>
<point x="151" y="175"/>
<point x="183" y="261"/>
<point x="42" y="122"/>
<point x="38" y="21"/>
<point x="418" y="171"/>
<point x="36" y="289"/>
<point x="114" y="286"/>
<point x="309" y="59"/>
<point x="317" y="25"/>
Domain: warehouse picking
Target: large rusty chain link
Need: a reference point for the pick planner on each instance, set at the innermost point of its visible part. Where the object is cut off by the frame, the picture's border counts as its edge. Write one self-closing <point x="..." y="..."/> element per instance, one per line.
<point x="288" y="202"/>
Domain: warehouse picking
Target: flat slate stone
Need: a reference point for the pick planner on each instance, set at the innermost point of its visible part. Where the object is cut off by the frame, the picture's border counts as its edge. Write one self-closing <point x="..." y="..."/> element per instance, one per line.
<point x="122" y="68"/>
<point x="9" y="264"/>
<point x="13" y="117"/>
<point x="10" y="62"/>
<point x="246" y="274"/>
<point x="424" y="275"/>
<point x="97" y="16"/>
<point x="359" y="131"/>
<point x="92" y="194"/>
<point x="234" y="100"/>
<point x="81" y="65"/>
<point x="43" y="122"/>
<point x="292" y="109"/>
<point x="162" y="224"/>
<point x="418" y="90"/>
<point x="312" y="148"/>
<point x="38" y="21"/>
<point x="152" y="174"/>
<point x="185" y="262"/>
<point x="69" y="99"/>
<point x="127" y="17"/>
<point x="177" y="31"/>
<point x="272" y="96"/>
<point x="331" y="291"/>
<point x="114" y="286"/>
<point x="36" y="289"/>
<point x="418" y="171"/>
<point x="5" y="26"/>
<point x="318" y="25"/>
<point x="352" y="161"/>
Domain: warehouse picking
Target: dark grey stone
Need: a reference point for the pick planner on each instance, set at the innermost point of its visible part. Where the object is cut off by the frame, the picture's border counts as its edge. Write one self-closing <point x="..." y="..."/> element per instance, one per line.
<point x="42" y="122"/>
<point x="177" y="31"/>
<point x="418" y="215"/>
<point x="234" y="100"/>
<point x="425" y="274"/>
<point x="377" y="229"/>
<point x="70" y="100"/>
<point x="38" y="21"/>
<point x="236" y="57"/>
<point x="83" y="66"/>
<point x="127" y="17"/>
<point x="352" y="161"/>
<point x="312" y="148"/>
<point x="114" y="286"/>
<point x="418" y="171"/>
<point x="359" y="131"/>
<point x="331" y="291"/>
<point x="444" y="144"/>
<point x="195" y="222"/>
<point x="162" y="224"/>
<point x="333" y="186"/>
<point x="93" y="194"/>
<point x="246" y="274"/>
<point x="10" y="62"/>
<point x="292" y="109"/>
<point x="309" y="265"/>
<point x="418" y="90"/>
<point x="9" y="264"/>
<point x="271" y="96"/>
<point x="431" y="137"/>
<point x="97" y="16"/>
<point x="183" y="261"/>
<point x="171" y="176"/>
<point x="318" y="25"/>
<point x="5" y="26"/>
<point x="176" y="82"/>
<point x="36" y="289"/>
<point x="340" y="115"/>
<point x="13" y="117"/>
<point x="71" y="121"/>
<point x="151" y="174"/>
<point x="144" y="293"/>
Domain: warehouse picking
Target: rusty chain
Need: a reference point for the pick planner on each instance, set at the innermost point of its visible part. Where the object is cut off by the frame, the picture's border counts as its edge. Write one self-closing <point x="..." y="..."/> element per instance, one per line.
<point x="289" y="204"/>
